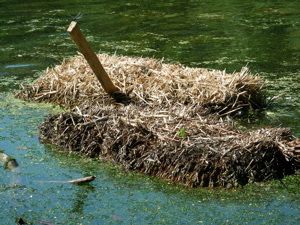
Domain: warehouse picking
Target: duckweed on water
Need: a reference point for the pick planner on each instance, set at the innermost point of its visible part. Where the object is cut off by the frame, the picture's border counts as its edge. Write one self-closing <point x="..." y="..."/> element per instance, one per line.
<point x="207" y="32"/>
<point x="249" y="194"/>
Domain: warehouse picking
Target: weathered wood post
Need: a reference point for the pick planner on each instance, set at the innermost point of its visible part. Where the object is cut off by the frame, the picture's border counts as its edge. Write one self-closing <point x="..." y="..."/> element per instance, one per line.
<point x="91" y="58"/>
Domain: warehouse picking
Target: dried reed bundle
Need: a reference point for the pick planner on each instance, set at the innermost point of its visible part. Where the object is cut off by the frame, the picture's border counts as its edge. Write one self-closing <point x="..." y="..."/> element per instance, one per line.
<point x="147" y="81"/>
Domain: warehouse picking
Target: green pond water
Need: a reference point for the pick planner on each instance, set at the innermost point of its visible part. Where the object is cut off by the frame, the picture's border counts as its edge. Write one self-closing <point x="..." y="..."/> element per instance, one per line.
<point x="215" y="34"/>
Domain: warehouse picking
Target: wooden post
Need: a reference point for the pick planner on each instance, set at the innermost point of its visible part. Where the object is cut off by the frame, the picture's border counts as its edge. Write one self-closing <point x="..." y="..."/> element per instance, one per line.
<point x="91" y="58"/>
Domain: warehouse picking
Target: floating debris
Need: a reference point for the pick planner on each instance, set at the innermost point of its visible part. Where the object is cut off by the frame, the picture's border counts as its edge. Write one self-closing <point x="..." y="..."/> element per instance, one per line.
<point x="82" y="180"/>
<point x="169" y="126"/>
<point x="7" y="161"/>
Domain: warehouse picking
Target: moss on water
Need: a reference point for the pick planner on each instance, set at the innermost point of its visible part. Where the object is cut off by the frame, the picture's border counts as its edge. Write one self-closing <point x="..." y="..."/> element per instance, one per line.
<point x="19" y="107"/>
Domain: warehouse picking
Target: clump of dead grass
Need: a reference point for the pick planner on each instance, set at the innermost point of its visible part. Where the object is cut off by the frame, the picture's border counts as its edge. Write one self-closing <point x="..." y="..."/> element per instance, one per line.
<point x="148" y="81"/>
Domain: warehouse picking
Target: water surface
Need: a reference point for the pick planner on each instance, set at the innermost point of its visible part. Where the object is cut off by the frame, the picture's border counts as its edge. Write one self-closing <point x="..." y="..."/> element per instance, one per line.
<point x="212" y="34"/>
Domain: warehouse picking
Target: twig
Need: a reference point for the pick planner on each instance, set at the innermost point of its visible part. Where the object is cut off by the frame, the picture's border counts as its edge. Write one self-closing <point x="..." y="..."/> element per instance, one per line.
<point x="173" y="139"/>
<point x="76" y="181"/>
<point x="103" y="118"/>
<point x="45" y="222"/>
<point x="220" y="128"/>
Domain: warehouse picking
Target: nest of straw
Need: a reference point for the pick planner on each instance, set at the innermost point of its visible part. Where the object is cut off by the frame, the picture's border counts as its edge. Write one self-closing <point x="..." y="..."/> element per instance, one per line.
<point x="165" y="127"/>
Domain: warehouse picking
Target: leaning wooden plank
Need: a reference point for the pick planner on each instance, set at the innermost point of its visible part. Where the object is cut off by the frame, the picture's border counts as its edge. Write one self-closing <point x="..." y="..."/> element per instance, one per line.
<point x="91" y="58"/>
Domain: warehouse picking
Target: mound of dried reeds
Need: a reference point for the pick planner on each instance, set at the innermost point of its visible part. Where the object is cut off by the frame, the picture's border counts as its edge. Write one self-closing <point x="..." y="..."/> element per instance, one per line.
<point x="147" y="81"/>
<point x="164" y="128"/>
<point x="178" y="145"/>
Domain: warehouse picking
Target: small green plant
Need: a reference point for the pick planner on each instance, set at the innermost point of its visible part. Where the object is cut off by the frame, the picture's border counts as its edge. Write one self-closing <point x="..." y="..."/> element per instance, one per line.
<point x="181" y="133"/>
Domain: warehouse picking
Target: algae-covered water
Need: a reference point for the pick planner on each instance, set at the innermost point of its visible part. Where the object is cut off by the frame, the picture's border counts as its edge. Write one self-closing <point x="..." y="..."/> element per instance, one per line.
<point x="214" y="34"/>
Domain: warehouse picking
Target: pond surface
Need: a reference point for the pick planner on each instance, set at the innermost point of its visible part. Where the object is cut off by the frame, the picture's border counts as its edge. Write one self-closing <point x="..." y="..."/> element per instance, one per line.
<point x="213" y="34"/>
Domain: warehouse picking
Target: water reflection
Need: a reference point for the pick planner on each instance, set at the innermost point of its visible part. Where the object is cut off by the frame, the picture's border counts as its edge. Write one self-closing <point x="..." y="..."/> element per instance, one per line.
<point x="17" y="66"/>
<point x="81" y="199"/>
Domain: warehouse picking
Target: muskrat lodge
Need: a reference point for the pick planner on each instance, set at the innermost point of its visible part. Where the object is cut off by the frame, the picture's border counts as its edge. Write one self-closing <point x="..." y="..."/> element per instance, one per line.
<point x="166" y="120"/>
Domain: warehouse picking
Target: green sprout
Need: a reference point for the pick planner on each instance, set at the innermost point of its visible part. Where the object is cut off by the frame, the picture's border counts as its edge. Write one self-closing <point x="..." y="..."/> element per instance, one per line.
<point x="181" y="133"/>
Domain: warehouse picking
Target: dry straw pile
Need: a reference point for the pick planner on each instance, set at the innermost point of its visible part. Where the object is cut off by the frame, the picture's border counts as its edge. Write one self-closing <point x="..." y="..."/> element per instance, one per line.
<point x="163" y="127"/>
<point x="147" y="81"/>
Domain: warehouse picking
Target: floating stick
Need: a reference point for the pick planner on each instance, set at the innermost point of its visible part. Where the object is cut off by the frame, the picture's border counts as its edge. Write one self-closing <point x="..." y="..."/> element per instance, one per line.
<point x="76" y="181"/>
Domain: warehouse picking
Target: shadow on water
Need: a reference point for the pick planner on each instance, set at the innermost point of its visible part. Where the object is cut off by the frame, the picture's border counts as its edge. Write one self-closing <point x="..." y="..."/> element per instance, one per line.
<point x="215" y="34"/>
